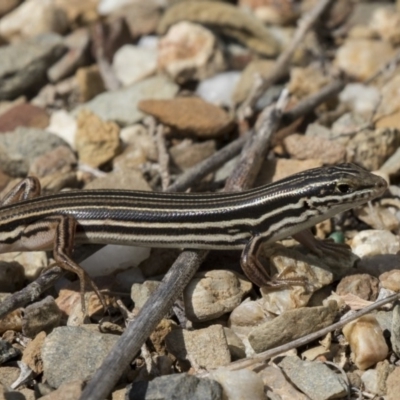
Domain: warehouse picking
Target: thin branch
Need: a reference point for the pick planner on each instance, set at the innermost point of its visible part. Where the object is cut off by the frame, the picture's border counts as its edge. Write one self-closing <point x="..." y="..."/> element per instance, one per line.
<point x="174" y="281"/>
<point x="282" y="64"/>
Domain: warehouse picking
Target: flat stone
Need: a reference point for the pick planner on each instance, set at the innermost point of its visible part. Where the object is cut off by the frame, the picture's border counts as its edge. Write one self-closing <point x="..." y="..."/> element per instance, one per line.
<point x="120" y="106"/>
<point x="17" y="152"/>
<point x="23" y="65"/>
<point x="207" y="348"/>
<point x="175" y="386"/>
<point x="74" y="353"/>
<point x="189" y="115"/>
<point x="26" y="115"/>
<point x="291" y="325"/>
<point x="314" y="379"/>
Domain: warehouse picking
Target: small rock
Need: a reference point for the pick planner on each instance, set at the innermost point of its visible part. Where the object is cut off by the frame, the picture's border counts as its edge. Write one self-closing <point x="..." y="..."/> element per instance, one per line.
<point x="86" y="351"/>
<point x="62" y="159"/>
<point x="386" y="24"/>
<point x="360" y="98"/>
<point x="157" y="337"/>
<point x="32" y="18"/>
<point x="32" y="356"/>
<point x="17" y="152"/>
<point x="41" y="316"/>
<point x="189" y="115"/>
<point x="277" y="382"/>
<point x="79" y="12"/>
<point x="175" y="386"/>
<point x="26" y="115"/>
<point x="120" y="180"/>
<point x="23" y="66"/>
<point x="8" y="352"/>
<point x="213" y="293"/>
<point x="187" y="154"/>
<point x="256" y="70"/>
<point x="96" y="141"/>
<point x="132" y="64"/>
<point x="206" y="348"/>
<point x="391" y="280"/>
<point x="292" y="325"/>
<point x="247" y="316"/>
<point x="395" y="330"/>
<point x="239" y="385"/>
<point x="366" y="341"/>
<point x="219" y="88"/>
<point x="235" y="345"/>
<point x="390" y="98"/>
<point x="228" y="19"/>
<point x="302" y="147"/>
<point x="314" y="379"/>
<point x="374" y="242"/>
<point x="63" y="125"/>
<point x="201" y="57"/>
<point x="393" y="385"/>
<point x="140" y="292"/>
<point x="12" y="321"/>
<point x="89" y="82"/>
<point x="362" y="285"/>
<point x="363" y="58"/>
<point x="67" y="391"/>
<point x="124" y="110"/>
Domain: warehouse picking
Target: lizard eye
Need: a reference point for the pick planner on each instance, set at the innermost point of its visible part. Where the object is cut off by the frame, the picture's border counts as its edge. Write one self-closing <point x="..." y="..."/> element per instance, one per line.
<point x="343" y="188"/>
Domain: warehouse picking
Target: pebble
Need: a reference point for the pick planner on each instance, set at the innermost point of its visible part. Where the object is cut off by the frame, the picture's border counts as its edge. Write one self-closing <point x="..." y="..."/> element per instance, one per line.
<point x="390" y="280"/>
<point x="395" y="330"/>
<point x="230" y="20"/>
<point x="386" y="24"/>
<point x="175" y="386"/>
<point x="314" y="379"/>
<point x="140" y="292"/>
<point x="278" y="384"/>
<point x="393" y="385"/>
<point x="204" y="348"/>
<point x="12" y="321"/>
<point x="41" y="316"/>
<point x="189" y="116"/>
<point x="32" y="18"/>
<point x="238" y="385"/>
<point x="366" y="341"/>
<point x="300" y="83"/>
<point x="26" y="115"/>
<point x="132" y="64"/>
<point x="8" y="352"/>
<point x="202" y="56"/>
<point x="361" y="99"/>
<point x="86" y="351"/>
<point x="390" y="97"/>
<point x="219" y="88"/>
<point x="64" y="126"/>
<point x="362" y="58"/>
<point x="214" y="293"/>
<point x="89" y="83"/>
<point x="187" y="154"/>
<point x="112" y="258"/>
<point x="235" y="345"/>
<point x="97" y="142"/>
<point x="302" y="147"/>
<point x="247" y="316"/>
<point x="23" y="65"/>
<point x="124" y="111"/>
<point x="374" y="242"/>
<point x="361" y="285"/>
<point x="17" y="152"/>
<point x="32" y="356"/>
<point x="291" y="325"/>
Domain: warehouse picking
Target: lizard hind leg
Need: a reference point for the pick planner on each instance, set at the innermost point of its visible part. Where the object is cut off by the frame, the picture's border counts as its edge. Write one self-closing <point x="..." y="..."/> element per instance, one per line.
<point x="63" y="244"/>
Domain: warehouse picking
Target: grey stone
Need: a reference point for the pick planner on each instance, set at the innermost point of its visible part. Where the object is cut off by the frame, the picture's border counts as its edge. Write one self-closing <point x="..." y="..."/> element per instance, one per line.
<point x="73" y="353"/>
<point x="314" y="379"/>
<point x="177" y="386"/>
<point x="17" y="151"/>
<point x="23" y="65"/>
<point x="121" y="106"/>
<point x="7" y="352"/>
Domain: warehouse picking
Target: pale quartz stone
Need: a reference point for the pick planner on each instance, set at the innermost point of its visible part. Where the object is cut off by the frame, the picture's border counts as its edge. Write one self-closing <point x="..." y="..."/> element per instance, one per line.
<point x="366" y="341"/>
<point x="213" y="293"/>
<point x="240" y="385"/>
<point x="362" y="99"/>
<point x="113" y="258"/>
<point x="63" y="125"/>
<point x="375" y="242"/>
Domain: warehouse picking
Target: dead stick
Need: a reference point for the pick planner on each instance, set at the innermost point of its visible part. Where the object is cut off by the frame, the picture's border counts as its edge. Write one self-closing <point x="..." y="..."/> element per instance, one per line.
<point x="172" y="285"/>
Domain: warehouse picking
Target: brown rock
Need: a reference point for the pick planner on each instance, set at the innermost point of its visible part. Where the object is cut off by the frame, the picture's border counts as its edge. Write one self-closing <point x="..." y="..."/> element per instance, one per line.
<point x="32" y="353"/>
<point x="362" y="285"/>
<point x="363" y="58"/>
<point x="386" y="24"/>
<point x="391" y="280"/>
<point x="90" y="83"/>
<point x="96" y="141"/>
<point x="393" y="385"/>
<point x="24" y="115"/>
<point x="306" y="81"/>
<point x="306" y="147"/>
<point x="189" y="115"/>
